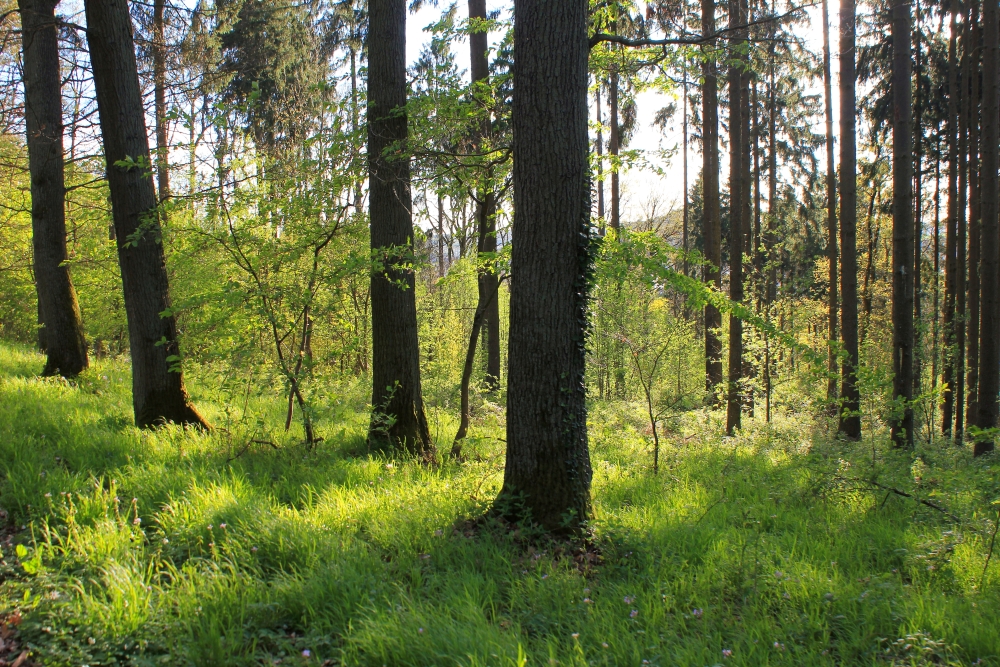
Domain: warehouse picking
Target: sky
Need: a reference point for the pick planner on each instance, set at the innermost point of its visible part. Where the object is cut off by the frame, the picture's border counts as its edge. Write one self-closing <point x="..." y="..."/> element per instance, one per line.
<point x="642" y="187"/>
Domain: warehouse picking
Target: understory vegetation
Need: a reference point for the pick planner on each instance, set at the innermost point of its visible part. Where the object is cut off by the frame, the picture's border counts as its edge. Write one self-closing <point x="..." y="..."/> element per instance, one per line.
<point x="781" y="546"/>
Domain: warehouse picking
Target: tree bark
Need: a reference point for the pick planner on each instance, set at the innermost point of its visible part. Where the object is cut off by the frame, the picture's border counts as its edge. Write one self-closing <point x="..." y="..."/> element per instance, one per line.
<point x="917" y="205"/>
<point x="971" y="64"/>
<point x="831" y="211"/>
<point x="902" y="228"/>
<point x="59" y="313"/>
<point x="158" y="392"/>
<point x="548" y="473"/>
<point x="398" y="418"/>
<point x="951" y="235"/>
<point x="614" y="148"/>
<point x="738" y="197"/>
<point x="850" y="415"/>
<point x="600" y="159"/>
<point x="989" y="328"/>
<point x="961" y="241"/>
<point x="711" y="223"/>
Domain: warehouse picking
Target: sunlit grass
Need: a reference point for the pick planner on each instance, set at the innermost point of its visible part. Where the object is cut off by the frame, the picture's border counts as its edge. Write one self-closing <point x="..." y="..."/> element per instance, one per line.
<point x="177" y="547"/>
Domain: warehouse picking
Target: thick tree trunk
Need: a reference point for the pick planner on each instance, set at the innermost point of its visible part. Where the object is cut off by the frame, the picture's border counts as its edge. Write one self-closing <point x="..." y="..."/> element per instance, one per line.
<point x="158" y="393"/>
<point x="738" y="162"/>
<point x="916" y="205"/>
<point x="902" y="228"/>
<point x="951" y="236"/>
<point x="850" y="415"/>
<point x="831" y="211"/>
<point x="989" y="328"/>
<point x="398" y="418"/>
<point x="160" y="100"/>
<point x="547" y="475"/>
<point x="61" y="336"/>
<point x="711" y="223"/>
<point x="971" y="54"/>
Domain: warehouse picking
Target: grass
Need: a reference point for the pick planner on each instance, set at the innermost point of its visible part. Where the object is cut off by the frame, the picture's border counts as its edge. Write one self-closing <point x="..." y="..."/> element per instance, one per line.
<point x="179" y="548"/>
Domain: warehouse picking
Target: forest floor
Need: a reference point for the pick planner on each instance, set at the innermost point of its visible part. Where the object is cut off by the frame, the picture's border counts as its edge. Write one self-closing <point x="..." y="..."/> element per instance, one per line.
<point x="781" y="546"/>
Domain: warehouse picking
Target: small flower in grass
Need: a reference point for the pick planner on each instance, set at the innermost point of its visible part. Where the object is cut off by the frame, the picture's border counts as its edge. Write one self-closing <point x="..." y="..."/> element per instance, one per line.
<point x="253" y="549"/>
<point x="166" y="541"/>
<point x="779" y="646"/>
<point x="779" y="574"/>
<point x="727" y="653"/>
<point x="210" y="526"/>
<point x="629" y="599"/>
<point x="575" y="635"/>
<point x="136" y="521"/>
<point x="222" y="526"/>
<point x="697" y="613"/>
<point x="604" y="644"/>
<point x="306" y="653"/>
<point x="438" y="533"/>
<point x="587" y="601"/>
<point x="633" y="613"/>
<point x="420" y="631"/>
<point x="586" y="590"/>
<point x="211" y="545"/>
<point x="545" y="576"/>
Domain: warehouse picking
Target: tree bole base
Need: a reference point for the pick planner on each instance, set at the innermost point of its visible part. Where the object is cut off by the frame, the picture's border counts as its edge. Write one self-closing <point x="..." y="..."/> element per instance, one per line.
<point x="161" y="408"/>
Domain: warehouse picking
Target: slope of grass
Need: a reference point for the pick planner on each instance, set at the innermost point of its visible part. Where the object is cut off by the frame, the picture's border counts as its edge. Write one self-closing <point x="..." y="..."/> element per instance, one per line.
<point x="180" y="548"/>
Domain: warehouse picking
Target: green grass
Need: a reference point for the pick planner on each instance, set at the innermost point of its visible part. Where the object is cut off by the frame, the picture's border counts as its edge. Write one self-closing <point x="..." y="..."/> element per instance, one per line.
<point x="166" y="548"/>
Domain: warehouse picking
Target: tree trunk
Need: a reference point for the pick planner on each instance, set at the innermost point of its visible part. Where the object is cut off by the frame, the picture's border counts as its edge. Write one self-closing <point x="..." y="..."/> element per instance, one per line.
<point x="711" y="224"/>
<point x="160" y="100"/>
<point x="158" y="393"/>
<point x="831" y="211"/>
<point x="902" y="228"/>
<point x="916" y="205"/>
<point x="738" y="161"/>
<point x="614" y="148"/>
<point x="850" y="415"/>
<point x="398" y="418"/>
<point x="487" y="316"/>
<point x="600" y="160"/>
<point x="971" y="64"/>
<point x="989" y="328"/>
<point x="547" y="475"/>
<point x="951" y="235"/>
<point x="61" y="335"/>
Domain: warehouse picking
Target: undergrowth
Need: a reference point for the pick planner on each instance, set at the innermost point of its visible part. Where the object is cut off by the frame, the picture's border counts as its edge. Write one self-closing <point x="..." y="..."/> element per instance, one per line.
<point x="782" y="546"/>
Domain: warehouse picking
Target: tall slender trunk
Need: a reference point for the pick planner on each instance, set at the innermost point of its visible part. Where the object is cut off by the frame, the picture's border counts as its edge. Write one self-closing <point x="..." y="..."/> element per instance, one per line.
<point x="936" y="323"/>
<point x="547" y="474"/>
<point x="831" y="211"/>
<point x="850" y="415"/>
<point x="951" y="235"/>
<point x="684" y="220"/>
<point x="771" y="288"/>
<point x="614" y="148"/>
<point x="960" y="249"/>
<point x="397" y="402"/>
<point x="59" y="313"/>
<point x="711" y="223"/>
<point x="989" y="327"/>
<point x="738" y="160"/>
<point x="487" y="310"/>
<point x="160" y="101"/>
<point x="971" y="54"/>
<point x="158" y="393"/>
<point x="902" y="228"/>
<point x="917" y="205"/>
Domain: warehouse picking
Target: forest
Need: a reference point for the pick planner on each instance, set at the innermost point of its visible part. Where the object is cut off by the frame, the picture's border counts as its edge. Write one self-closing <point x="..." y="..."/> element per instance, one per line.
<point x="520" y="332"/>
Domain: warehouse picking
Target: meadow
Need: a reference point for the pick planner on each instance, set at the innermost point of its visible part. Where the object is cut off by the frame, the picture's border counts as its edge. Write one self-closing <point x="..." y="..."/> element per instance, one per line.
<point x="781" y="546"/>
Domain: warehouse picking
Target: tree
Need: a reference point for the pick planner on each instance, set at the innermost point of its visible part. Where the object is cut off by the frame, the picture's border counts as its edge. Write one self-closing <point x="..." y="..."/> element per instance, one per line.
<point x="831" y="209"/>
<point x="547" y="474"/>
<point x="951" y="232"/>
<point x="711" y="223"/>
<point x="159" y="48"/>
<point x="739" y="162"/>
<point x="989" y="327"/>
<point x="970" y="64"/>
<point x="850" y="417"/>
<point x="902" y="228"/>
<point x="397" y="402"/>
<point x="158" y="393"/>
<point x="65" y="345"/>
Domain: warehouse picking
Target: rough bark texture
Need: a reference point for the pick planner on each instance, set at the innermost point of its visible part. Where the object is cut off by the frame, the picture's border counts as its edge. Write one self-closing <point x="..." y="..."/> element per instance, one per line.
<point x="738" y="160"/>
<point x="614" y="148"/>
<point x="158" y="393"/>
<point x="950" y="237"/>
<point x="59" y="313"/>
<point x="831" y="210"/>
<point x="971" y="64"/>
<point x="711" y="223"/>
<point x="902" y="227"/>
<point x="547" y="475"/>
<point x="398" y="417"/>
<point x="850" y="417"/>
<point x="989" y="328"/>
